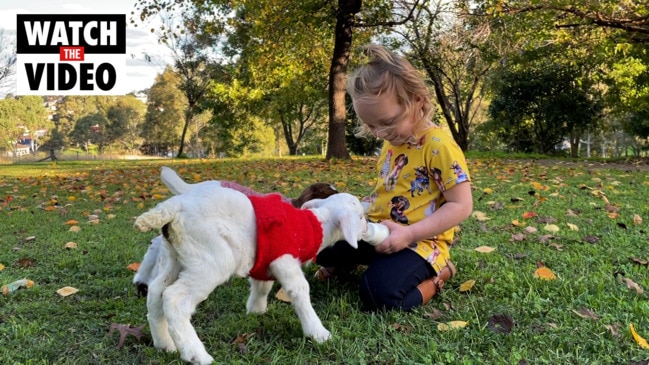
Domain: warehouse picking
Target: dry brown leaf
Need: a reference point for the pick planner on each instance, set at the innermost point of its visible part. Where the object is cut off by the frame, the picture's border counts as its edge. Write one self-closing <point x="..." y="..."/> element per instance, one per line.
<point x="530" y="230"/>
<point x="571" y="213"/>
<point x="637" y="220"/>
<point x="75" y="229"/>
<point x="70" y="245"/>
<point x="544" y="273"/>
<point x="401" y="328"/>
<point x="500" y="323"/>
<point x="517" y="237"/>
<point x="124" y="330"/>
<point x="467" y="285"/>
<point x="557" y="246"/>
<point x="135" y="266"/>
<point x="282" y="295"/>
<point x="613" y="328"/>
<point x="435" y="314"/>
<point x="66" y="290"/>
<point x="633" y="285"/>
<point x="485" y="249"/>
<point x="586" y="313"/>
<point x="72" y="222"/>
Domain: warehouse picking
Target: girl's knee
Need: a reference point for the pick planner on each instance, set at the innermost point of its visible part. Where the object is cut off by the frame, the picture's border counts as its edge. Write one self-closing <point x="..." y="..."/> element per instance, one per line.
<point x="375" y="296"/>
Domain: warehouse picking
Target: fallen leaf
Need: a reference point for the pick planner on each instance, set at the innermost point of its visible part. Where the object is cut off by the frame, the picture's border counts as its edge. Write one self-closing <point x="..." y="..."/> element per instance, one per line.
<point x="544" y="273"/>
<point x="528" y="215"/>
<point x="485" y="249"/>
<point x="72" y="222"/>
<point x="401" y="328"/>
<point x="2" y="267"/>
<point x="282" y="295"/>
<point x="70" y="245"/>
<point x="125" y="330"/>
<point x="641" y="341"/>
<point x="614" y="329"/>
<point x="637" y="220"/>
<point x="487" y="191"/>
<point x="435" y="314"/>
<point x="75" y="229"/>
<point x="545" y="238"/>
<point x="530" y="230"/>
<point x="633" y="285"/>
<point x="557" y="246"/>
<point x="633" y="259"/>
<point x="67" y="290"/>
<point x="467" y="285"/>
<point x="500" y="323"/>
<point x="591" y="239"/>
<point x="573" y="227"/>
<point x="551" y="228"/>
<point x="242" y="338"/>
<point x="517" y="237"/>
<point x="571" y="213"/>
<point x="134" y="266"/>
<point x="30" y="238"/>
<point x="480" y="216"/>
<point x="451" y="325"/>
<point x="586" y="313"/>
<point x="516" y="223"/>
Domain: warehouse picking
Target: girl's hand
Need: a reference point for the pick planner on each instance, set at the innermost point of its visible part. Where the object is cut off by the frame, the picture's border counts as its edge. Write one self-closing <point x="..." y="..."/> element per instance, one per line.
<point x="399" y="238"/>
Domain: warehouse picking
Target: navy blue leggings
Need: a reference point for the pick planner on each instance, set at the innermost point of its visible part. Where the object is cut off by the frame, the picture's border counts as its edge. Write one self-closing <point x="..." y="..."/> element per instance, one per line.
<point x="390" y="281"/>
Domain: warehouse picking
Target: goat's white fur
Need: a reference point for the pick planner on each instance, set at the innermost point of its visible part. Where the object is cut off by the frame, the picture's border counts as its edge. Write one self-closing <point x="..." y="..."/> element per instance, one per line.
<point x="212" y="236"/>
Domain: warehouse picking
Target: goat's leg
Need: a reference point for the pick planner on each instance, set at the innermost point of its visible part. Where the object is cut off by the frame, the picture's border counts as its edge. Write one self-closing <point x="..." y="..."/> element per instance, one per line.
<point x="258" y="299"/>
<point x="155" y="312"/>
<point x="180" y="301"/>
<point x="288" y="272"/>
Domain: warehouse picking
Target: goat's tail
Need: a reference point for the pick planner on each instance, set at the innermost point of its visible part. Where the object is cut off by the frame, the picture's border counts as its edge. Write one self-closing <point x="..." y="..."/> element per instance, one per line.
<point x="172" y="181"/>
<point x="158" y="216"/>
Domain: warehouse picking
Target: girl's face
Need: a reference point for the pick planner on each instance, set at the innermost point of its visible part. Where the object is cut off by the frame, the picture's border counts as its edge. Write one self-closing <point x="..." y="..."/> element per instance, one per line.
<point x="385" y="117"/>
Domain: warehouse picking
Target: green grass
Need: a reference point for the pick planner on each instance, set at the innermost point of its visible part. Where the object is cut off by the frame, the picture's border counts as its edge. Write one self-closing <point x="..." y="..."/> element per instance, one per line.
<point x="37" y="326"/>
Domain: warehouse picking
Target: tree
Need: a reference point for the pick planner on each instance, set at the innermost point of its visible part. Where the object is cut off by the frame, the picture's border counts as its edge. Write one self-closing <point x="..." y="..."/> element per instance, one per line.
<point x="7" y="59"/>
<point x="164" y="120"/>
<point x="627" y="19"/>
<point x="91" y="129"/>
<point x="537" y="104"/>
<point x="125" y="119"/>
<point x="293" y="28"/>
<point x="456" y="52"/>
<point x="20" y="116"/>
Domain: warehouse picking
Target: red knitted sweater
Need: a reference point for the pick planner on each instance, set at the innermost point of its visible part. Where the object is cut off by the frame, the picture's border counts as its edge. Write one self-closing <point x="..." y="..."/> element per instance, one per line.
<point x="283" y="229"/>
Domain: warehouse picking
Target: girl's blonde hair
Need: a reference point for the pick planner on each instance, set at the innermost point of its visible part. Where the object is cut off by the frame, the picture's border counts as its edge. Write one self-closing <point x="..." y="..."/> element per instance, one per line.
<point x="386" y="72"/>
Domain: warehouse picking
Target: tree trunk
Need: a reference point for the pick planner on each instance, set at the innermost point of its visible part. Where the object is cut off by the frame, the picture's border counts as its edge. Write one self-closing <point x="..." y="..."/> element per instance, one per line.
<point x="336" y="146"/>
<point x="188" y="118"/>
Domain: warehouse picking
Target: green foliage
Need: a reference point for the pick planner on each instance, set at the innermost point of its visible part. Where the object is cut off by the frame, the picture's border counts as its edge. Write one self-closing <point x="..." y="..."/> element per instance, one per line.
<point x="20" y="115"/>
<point x="537" y="103"/>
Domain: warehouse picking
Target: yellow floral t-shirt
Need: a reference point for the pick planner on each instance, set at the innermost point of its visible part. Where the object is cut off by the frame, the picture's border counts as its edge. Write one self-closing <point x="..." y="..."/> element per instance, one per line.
<point x="410" y="185"/>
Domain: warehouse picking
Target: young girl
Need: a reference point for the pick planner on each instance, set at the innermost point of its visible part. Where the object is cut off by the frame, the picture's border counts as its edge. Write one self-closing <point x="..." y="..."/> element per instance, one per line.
<point x="422" y="193"/>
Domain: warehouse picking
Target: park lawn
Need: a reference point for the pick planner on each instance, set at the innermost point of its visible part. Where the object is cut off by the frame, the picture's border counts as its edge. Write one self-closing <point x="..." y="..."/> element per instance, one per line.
<point x="586" y="225"/>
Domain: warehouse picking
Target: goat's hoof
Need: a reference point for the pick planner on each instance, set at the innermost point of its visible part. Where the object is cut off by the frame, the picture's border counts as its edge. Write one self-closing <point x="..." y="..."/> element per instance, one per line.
<point x="199" y="359"/>
<point x="141" y="226"/>
<point x="321" y="336"/>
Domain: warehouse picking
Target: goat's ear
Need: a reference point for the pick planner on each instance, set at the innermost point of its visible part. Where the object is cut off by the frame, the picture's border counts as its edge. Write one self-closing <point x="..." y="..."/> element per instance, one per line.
<point x="313" y="203"/>
<point x="352" y="226"/>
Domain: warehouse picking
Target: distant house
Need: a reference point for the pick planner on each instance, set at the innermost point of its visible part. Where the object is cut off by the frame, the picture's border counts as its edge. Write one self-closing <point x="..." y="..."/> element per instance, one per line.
<point x="20" y="150"/>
